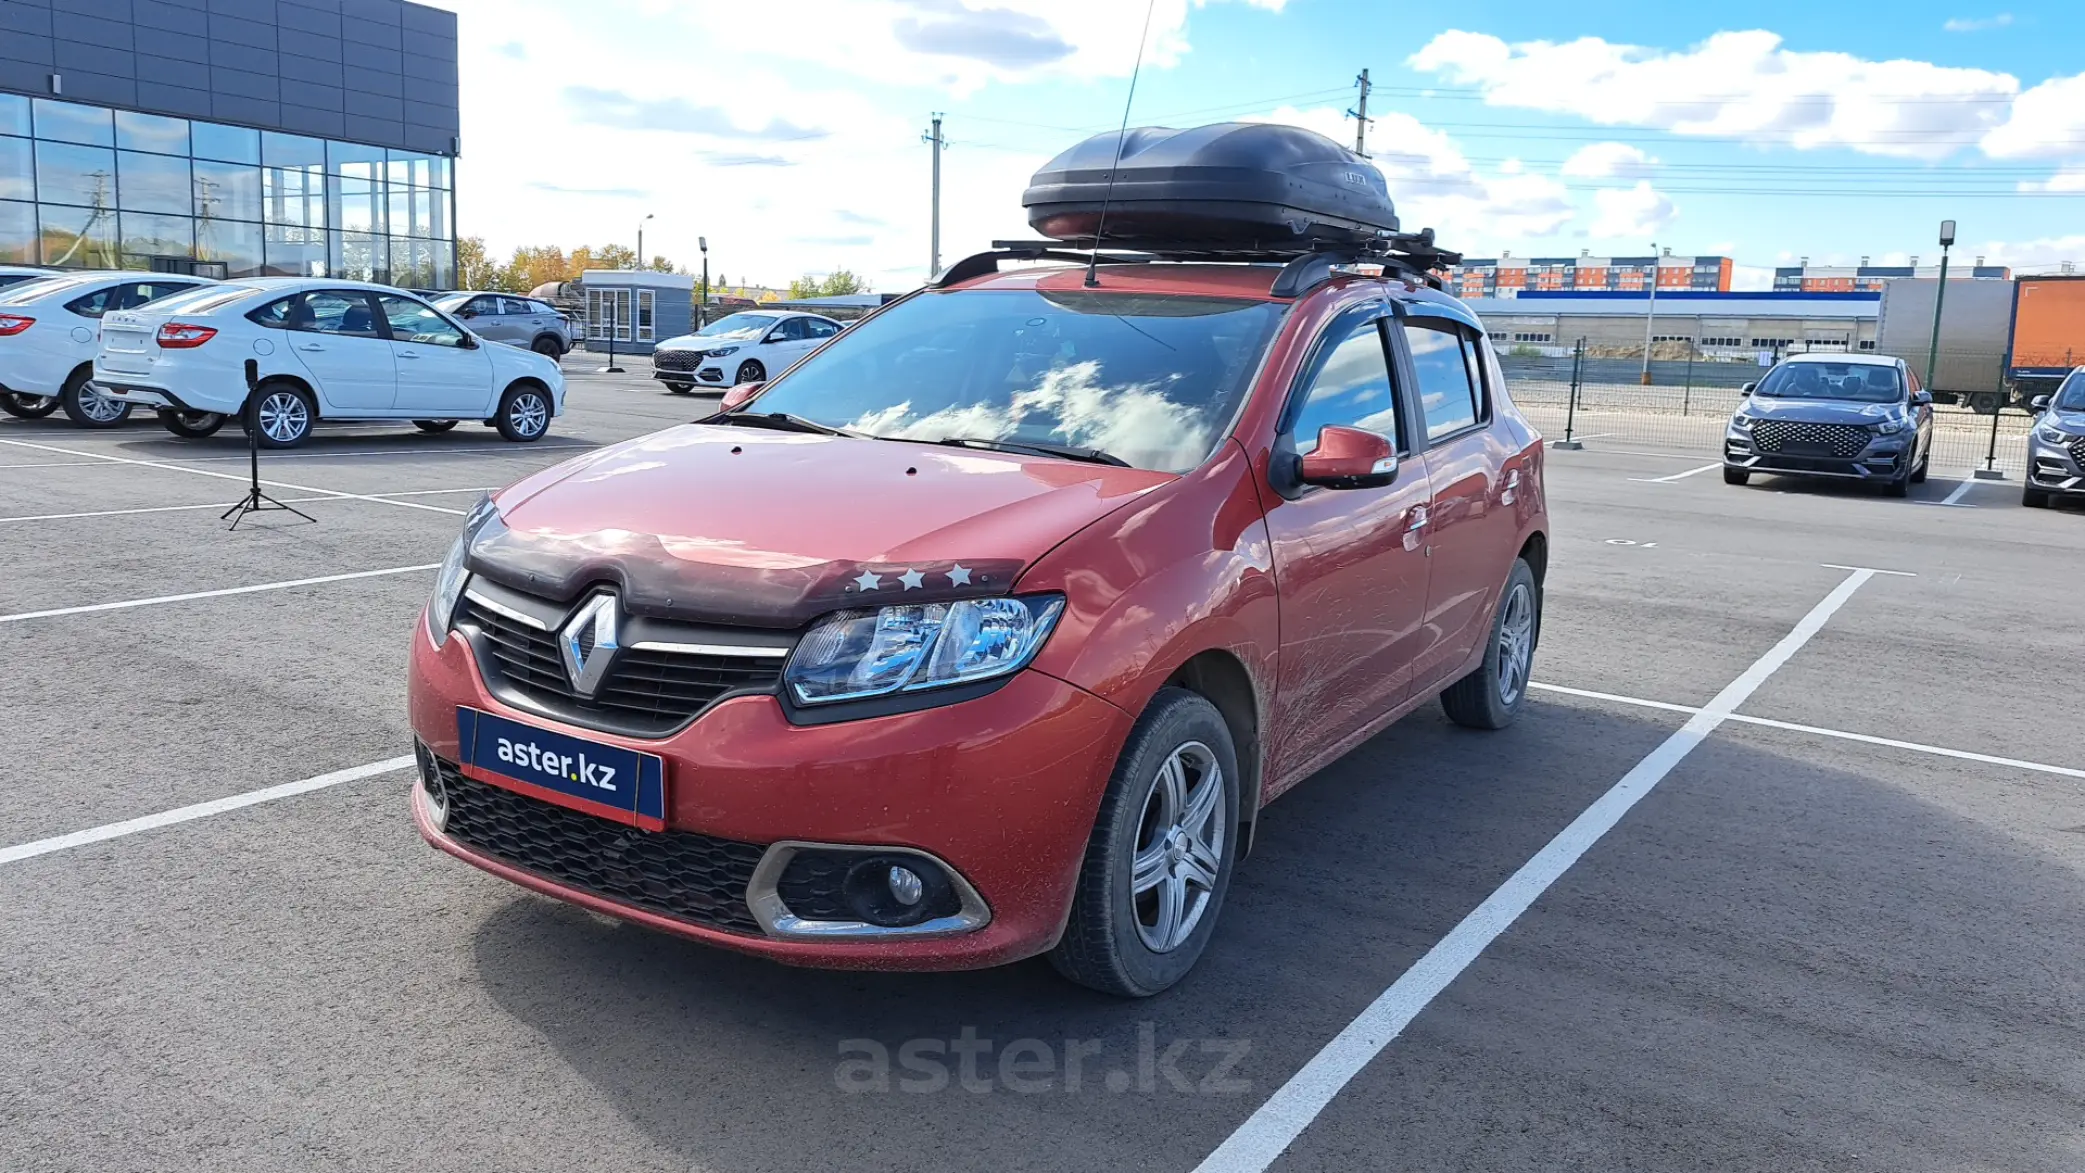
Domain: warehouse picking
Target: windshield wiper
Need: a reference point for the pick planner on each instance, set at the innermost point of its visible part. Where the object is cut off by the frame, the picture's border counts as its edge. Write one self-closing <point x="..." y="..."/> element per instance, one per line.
<point x="1037" y="448"/>
<point x="780" y="421"/>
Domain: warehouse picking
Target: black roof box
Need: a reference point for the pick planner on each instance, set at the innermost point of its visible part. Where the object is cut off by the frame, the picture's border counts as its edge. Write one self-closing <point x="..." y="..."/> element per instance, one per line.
<point x="1255" y="187"/>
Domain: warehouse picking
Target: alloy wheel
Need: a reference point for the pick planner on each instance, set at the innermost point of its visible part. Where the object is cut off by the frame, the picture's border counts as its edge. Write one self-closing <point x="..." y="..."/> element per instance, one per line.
<point x="1516" y="649"/>
<point x="284" y="417"/>
<point x="1180" y="847"/>
<point x="529" y="414"/>
<point x="98" y="407"/>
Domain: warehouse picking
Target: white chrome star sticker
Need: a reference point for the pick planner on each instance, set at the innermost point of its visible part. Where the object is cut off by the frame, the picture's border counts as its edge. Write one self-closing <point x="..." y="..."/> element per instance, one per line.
<point x="868" y="581"/>
<point x="913" y="579"/>
<point x="959" y="575"/>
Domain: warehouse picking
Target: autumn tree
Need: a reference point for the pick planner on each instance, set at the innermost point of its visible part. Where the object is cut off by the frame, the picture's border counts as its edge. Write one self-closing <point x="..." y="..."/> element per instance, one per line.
<point x="838" y="283"/>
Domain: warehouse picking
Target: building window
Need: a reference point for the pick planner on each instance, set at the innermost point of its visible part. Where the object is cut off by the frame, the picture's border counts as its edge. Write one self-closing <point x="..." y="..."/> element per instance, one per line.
<point x="86" y="186"/>
<point x="1533" y="337"/>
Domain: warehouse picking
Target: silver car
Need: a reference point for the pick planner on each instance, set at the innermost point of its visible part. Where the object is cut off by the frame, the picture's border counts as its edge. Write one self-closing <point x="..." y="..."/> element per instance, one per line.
<point x="517" y="321"/>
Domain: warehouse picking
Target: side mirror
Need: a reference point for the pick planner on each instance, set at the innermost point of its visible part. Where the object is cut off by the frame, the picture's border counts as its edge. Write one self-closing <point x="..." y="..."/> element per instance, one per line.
<point x="739" y="394"/>
<point x="1922" y="397"/>
<point x="1747" y="389"/>
<point x="2040" y="404"/>
<point x="1349" y="458"/>
<point x="466" y="315"/>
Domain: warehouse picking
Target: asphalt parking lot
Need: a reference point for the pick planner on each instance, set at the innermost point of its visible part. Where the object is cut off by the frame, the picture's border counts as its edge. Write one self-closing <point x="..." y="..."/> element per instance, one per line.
<point x="1785" y="868"/>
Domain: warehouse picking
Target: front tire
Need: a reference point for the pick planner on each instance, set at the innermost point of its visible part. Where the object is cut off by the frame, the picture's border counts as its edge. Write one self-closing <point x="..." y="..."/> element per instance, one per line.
<point x="192" y="425"/>
<point x="1925" y="465"/>
<point x="1161" y="855"/>
<point x="548" y="347"/>
<point x="2034" y="498"/>
<point x="1493" y="695"/>
<point x="281" y="414"/>
<point x="86" y="406"/>
<point x="1736" y="476"/>
<point x="434" y="427"/>
<point x="751" y="372"/>
<point x="524" y="415"/>
<point x="680" y="388"/>
<point x="28" y="407"/>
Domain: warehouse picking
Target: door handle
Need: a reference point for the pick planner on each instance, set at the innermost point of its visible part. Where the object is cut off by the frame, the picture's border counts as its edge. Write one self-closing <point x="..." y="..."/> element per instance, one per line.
<point x="408" y="354"/>
<point x="1419" y="518"/>
<point x="311" y="346"/>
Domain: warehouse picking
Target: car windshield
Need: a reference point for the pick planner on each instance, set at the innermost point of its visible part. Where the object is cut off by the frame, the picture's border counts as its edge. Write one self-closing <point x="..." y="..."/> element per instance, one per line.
<point x="2071" y="396"/>
<point x="1152" y="380"/>
<point x="734" y="326"/>
<point x="1843" y="381"/>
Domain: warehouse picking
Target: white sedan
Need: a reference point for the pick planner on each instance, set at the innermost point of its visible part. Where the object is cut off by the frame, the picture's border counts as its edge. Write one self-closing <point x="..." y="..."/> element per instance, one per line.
<point x="331" y="350"/>
<point x="49" y="329"/>
<point x="749" y="347"/>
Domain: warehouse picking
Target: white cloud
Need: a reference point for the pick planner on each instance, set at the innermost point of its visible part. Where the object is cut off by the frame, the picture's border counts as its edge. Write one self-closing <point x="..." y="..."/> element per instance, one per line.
<point x="1743" y="85"/>
<point x="1434" y="186"/>
<point x="2048" y="122"/>
<point x="1632" y="213"/>
<point x="1978" y="24"/>
<point x="2069" y="179"/>
<point x="1748" y="278"/>
<point x="2043" y="255"/>
<point x="1609" y="160"/>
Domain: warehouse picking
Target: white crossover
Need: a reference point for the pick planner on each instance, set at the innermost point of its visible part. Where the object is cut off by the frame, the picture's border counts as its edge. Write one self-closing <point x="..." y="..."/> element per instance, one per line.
<point x="749" y="347"/>
<point x="322" y="350"/>
<point x="49" y="329"/>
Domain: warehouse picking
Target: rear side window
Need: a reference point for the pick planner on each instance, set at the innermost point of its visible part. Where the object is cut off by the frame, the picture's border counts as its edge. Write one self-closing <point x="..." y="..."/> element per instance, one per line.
<point x="1448" y="382"/>
<point x="97" y="303"/>
<point x="146" y="292"/>
<point x="275" y="315"/>
<point x="820" y="329"/>
<point x="1349" y="387"/>
<point x="201" y="299"/>
<point x="329" y="311"/>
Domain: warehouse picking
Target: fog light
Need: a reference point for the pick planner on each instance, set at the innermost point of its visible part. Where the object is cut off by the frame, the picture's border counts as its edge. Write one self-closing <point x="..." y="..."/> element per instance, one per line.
<point x="906" y="885"/>
<point x="432" y="794"/>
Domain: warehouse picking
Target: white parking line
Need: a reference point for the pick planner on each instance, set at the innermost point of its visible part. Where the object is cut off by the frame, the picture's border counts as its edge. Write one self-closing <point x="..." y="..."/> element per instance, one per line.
<point x="1818" y="731"/>
<point x="1678" y="476"/>
<point x="1961" y="491"/>
<point x="1278" y="1122"/>
<point x="225" y="476"/>
<point x="227" y="505"/>
<point x="505" y="449"/>
<point x="201" y="810"/>
<point x="128" y="604"/>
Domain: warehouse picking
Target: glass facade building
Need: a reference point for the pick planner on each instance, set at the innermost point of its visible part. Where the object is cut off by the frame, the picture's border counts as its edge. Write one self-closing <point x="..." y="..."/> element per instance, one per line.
<point x="93" y="187"/>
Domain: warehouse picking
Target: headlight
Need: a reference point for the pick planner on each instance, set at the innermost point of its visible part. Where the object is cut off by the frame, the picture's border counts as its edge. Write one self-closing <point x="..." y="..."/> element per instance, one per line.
<point x="1891" y="426"/>
<point x="722" y="351"/>
<point x="856" y="654"/>
<point x="2051" y="435"/>
<point x="1741" y="421"/>
<point x="450" y="580"/>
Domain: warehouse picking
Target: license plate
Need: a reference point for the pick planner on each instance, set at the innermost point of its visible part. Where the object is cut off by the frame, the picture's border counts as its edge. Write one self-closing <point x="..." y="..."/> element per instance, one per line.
<point x="609" y="780"/>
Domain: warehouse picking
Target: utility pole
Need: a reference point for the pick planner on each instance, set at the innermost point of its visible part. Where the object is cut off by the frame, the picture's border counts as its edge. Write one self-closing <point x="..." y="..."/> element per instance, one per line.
<point x="1360" y="116"/>
<point x="640" y="265"/>
<point x="1650" y="318"/>
<point x="939" y="144"/>
<point x="1947" y="241"/>
<point x="702" y="242"/>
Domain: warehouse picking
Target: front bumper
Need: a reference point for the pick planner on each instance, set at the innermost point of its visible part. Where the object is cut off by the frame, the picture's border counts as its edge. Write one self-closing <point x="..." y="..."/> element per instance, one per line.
<point x="708" y="370"/>
<point x="2053" y="469"/>
<point x="1886" y="458"/>
<point x="1002" y="789"/>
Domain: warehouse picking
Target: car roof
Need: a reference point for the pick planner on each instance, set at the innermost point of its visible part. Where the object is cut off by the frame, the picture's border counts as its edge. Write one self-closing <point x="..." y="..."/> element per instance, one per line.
<point x="1197" y="279"/>
<point x="1873" y="360"/>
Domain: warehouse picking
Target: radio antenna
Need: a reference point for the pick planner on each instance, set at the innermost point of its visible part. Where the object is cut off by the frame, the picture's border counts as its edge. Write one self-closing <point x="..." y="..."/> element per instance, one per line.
<point x="1093" y="261"/>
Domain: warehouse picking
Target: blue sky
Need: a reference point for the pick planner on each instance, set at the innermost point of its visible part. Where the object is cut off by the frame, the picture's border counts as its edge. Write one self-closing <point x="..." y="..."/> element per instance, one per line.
<point x="789" y="135"/>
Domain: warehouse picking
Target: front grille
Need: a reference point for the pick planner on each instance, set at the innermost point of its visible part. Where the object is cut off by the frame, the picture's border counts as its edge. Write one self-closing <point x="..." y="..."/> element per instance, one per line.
<point x="2078" y="451"/>
<point x="676" y="360"/>
<point x="1840" y="440"/>
<point x="679" y="874"/>
<point x="646" y="693"/>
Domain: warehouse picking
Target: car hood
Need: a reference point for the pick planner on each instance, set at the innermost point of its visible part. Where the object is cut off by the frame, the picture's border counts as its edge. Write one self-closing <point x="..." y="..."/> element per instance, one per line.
<point x="1819" y="411"/>
<point x="772" y="529"/>
<point x="2068" y="421"/>
<point x="701" y="342"/>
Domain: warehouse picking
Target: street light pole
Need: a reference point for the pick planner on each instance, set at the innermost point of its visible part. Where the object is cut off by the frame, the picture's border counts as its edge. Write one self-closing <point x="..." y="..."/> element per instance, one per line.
<point x="640" y="242"/>
<point x="1947" y="241"/>
<point x="1650" y="318"/>
<point x="702" y="242"/>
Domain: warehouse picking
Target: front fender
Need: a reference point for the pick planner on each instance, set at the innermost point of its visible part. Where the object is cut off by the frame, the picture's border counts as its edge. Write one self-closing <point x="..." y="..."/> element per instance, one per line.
<point x="1186" y="570"/>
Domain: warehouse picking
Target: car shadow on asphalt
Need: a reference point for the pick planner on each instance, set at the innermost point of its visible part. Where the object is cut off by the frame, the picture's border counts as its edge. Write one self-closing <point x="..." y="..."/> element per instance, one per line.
<point x="1776" y="956"/>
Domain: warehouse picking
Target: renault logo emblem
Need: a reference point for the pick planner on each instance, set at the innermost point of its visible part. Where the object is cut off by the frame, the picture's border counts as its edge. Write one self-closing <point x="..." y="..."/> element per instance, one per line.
<point x="587" y="644"/>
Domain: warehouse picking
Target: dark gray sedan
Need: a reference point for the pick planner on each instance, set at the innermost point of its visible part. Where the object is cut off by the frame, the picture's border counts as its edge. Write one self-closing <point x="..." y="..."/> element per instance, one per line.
<point x="1853" y="417"/>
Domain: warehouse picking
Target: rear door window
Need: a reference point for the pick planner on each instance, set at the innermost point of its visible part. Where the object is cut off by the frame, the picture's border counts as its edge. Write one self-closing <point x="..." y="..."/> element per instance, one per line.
<point x="1449" y="388"/>
<point x="344" y="312"/>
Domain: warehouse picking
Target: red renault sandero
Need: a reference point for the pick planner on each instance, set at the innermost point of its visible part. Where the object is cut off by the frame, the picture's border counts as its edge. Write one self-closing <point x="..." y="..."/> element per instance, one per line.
<point x="990" y="628"/>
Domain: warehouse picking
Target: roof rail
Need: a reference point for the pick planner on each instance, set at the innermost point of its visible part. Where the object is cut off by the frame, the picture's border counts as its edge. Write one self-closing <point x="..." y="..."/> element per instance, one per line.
<point x="1304" y="265"/>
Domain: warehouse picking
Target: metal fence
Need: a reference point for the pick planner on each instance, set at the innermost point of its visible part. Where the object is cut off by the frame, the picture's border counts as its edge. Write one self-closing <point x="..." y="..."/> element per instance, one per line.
<point x="1687" y="405"/>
